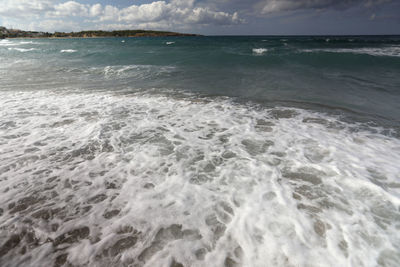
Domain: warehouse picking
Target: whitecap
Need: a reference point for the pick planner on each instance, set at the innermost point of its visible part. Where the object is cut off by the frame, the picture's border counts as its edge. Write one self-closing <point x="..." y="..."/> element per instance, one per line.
<point x="391" y="51"/>
<point x="22" y="49"/>
<point x="259" y="51"/>
<point x="169" y="43"/>
<point x="137" y="71"/>
<point x="68" y="51"/>
<point x="27" y="42"/>
<point x="6" y="42"/>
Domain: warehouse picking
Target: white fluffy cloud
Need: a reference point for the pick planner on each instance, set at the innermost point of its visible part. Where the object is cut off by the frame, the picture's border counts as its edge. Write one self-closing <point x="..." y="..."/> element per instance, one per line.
<point x="24" y="8"/>
<point x="70" y="8"/>
<point x="96" y="10"/>
<point x="161" y="12"/>
<point x="156" y="14"/>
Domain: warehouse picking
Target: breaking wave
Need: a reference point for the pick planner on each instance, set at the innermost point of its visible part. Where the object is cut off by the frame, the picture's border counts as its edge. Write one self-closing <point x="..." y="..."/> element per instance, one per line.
<point x="108" y="179"/>
<point x="22" y="49"/>
<point x="391" y="51"/>
<point x="259" y="51"/>
<point x="68" y="51"/>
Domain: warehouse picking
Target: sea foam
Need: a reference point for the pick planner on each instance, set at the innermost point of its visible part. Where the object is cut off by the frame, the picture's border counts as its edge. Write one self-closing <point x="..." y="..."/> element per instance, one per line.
<point x="68" y="51"/>
<point x="135" y="71"/>
<point x="390" y="51"/>
<point x="27" y="42"/>
<point x="22" y="49"/>
<point x="148" y="180"/>
<point x="259" y="51"/>
<point x="6" y="42"/>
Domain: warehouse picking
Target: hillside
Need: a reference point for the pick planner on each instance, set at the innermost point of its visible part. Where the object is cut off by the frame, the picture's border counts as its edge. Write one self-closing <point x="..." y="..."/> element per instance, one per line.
<point x="12" y="33"/>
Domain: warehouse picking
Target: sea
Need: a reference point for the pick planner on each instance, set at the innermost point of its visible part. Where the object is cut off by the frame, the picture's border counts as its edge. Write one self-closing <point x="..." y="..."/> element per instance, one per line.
<point x="200" y="151"/>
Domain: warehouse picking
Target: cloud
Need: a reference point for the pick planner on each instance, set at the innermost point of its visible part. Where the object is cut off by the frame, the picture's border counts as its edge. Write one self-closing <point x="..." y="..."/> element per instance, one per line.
<point x="273" y="6"/>
<point x="95" y="10"/>
<point x="268" y="7"/>
<point x="205" y="16"/>
<point x="70" y="8"/>
<point x="24" y="8"/>
<point x="173" y="13"/>
<point x="156" y="14"/>
<point x="372" y="17"/>
<point x="155" y="11"/>
<point x="49" y="25"/>
<point x="372" y="3"/>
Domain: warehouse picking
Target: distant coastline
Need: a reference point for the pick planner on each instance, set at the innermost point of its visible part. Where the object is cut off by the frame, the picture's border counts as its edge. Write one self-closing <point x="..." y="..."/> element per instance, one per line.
<point x="13" y="33"/>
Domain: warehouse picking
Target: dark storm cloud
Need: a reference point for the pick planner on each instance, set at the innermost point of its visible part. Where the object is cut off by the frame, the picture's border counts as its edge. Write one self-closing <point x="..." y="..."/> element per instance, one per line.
<point x="287" y="5"/>
<point x="276" y="6"/>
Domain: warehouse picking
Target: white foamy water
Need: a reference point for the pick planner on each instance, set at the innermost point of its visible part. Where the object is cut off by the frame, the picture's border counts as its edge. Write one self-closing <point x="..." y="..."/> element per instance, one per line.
<point x="138" y="71"/>
<point x="259" y="51"/>
<point x="391" y="51"/>
<point x="6" y="42"/>
<point x="169" y="43"/>
<point x="110" y="180"/>
<point x="68" y="51"/>
<point x="22" y="49"/>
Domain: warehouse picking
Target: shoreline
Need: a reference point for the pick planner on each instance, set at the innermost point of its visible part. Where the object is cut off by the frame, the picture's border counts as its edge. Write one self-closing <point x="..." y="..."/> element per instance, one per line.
<point x="13" y="33"/>
<point x="99" y="37"/>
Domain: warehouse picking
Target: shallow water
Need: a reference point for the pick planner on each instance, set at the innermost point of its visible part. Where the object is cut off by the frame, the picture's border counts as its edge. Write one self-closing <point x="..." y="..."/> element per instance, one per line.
<point x="102" y="165"/>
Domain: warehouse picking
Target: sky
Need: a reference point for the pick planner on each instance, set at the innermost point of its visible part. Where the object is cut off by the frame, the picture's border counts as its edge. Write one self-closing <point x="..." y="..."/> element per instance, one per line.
<point x="209" y="17"/>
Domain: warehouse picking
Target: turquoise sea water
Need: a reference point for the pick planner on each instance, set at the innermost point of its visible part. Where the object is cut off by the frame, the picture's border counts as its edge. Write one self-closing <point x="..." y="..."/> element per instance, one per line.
<point x="356" y="74"/>
<point x="203" y="151"/>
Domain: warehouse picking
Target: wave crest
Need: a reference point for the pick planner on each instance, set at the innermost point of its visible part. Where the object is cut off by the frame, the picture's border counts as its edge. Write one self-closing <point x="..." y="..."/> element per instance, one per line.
<point x="68" y="51"/>
<point x="260" y="51"/>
